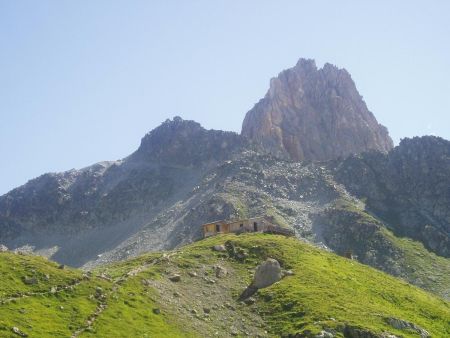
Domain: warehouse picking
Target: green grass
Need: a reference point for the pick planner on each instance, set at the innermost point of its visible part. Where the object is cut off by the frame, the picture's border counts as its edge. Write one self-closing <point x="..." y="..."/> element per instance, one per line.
<point x="52" y="315"/>
<point x="15" y="268"/>
<point x="120" y="269"/>
<point x="328" y="286"/>
<point x="130" y="313"/>
<point x="326" y="292"/>
<point x="418" y="265"/>
<point x="33" y="308"/>
<point x="428" y="270"/>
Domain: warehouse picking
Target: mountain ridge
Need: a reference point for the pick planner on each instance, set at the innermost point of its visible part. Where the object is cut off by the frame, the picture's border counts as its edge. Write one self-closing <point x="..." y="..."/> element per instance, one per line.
<point x="183" y="175"/>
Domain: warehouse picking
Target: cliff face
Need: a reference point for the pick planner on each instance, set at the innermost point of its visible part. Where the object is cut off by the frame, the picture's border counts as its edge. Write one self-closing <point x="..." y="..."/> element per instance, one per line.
<point x="408" y="188"/>
<point x="314" y="114"/>
<point x="186" y="143"/>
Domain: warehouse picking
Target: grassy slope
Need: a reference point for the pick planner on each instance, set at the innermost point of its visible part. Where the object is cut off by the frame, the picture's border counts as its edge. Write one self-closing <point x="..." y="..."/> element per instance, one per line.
<point x="327" y="286"/>
<point x="39" y="311"/>
<point x="34" y="308"/>
<point x="424" y="268"/>
<point x="419" y="266"/>
<point x="326" y="292"/>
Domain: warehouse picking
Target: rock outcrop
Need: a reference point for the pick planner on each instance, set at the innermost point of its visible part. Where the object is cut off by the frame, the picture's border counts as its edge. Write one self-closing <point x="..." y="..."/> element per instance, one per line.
<point x="344" y="228"/>
<point x="314" y="114"/>
<point x="404" y="325"/>
<point x="186" y="143"/>
<point x="407" y="188"/>
<point x="266" y="274"/>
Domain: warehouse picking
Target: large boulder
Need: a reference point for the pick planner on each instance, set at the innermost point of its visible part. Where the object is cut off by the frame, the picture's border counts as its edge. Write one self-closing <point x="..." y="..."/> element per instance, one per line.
<point x="267" y="273"/>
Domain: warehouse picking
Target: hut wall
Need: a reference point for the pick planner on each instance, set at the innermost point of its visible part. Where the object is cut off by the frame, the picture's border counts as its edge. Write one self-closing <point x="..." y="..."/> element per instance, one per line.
<point x="262" y="224"/>
<point x="209" y="230"/>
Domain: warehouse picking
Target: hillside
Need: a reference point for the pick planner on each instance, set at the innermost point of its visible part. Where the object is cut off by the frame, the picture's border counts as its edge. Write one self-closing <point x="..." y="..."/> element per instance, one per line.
<point x="110" y="212"/>
<point x="325" y="296"/>
<point x="345" y="227"/>
<point x="76" y="215"/>
<point x="310" y="154"/>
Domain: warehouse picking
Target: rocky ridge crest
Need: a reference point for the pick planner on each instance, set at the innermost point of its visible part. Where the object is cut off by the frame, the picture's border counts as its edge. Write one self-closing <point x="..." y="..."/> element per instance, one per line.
<point x="186" y="143"/>
<point x="407" y="188"/>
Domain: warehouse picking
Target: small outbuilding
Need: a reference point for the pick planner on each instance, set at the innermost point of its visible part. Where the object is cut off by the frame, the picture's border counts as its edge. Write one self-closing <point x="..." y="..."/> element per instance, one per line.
<point x="256" y="224"/>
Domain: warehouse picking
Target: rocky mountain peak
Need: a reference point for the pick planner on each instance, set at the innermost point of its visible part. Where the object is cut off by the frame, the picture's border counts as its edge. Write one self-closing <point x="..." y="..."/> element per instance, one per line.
<point x="186" y="143"/>
<point x="314" y="114"/>
<point x="172" y="126"/>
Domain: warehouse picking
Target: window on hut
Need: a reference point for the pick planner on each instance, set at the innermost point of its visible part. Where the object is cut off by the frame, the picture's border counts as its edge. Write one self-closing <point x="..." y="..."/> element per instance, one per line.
<point x="217" y="227"/>
<point x="255" y="226"/>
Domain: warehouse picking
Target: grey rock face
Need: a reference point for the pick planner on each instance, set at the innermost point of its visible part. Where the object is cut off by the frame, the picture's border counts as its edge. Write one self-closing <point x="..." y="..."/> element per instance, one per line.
<point x="187" y="143"/>
<point x="324" y="334"/>
<point x="219" y="247"/>
<point x="314" y="114"/>
<point x="404" y="325"/>
<point x="175" y="278"/>
<point x="29" y="280"/>
<point x="356" y="332"/>
<point x="408" y="188"/>
<point x="18" y="332"/>
<point x="3" y="248"/>
<point x="77" y="215"/>
<point x="220" y="271"/>
<point x="344" y="230"/>
<point x="267" y="273"/>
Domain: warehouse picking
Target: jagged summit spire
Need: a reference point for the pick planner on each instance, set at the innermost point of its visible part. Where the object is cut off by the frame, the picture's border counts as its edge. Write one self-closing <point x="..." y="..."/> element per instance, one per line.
<point x="306" y="63"/>
<point x="314" y="114"/>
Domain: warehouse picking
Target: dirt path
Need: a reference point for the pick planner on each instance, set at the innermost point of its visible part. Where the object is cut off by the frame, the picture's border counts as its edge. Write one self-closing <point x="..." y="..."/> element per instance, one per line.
<point x="53" y="290"/>
<point x="102" y="298"/>
<point x="102" y="306"/>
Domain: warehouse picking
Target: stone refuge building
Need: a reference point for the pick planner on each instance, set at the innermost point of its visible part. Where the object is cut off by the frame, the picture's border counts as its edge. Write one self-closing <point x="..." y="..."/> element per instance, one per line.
<point x="257" y="224"/>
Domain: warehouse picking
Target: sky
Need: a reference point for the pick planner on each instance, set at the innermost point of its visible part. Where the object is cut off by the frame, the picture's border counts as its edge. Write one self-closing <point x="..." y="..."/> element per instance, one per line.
<point x="83" y="81"/>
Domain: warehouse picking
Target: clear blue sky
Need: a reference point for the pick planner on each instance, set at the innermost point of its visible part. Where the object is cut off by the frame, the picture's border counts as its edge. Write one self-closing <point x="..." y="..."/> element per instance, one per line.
<point x="83" y="81"/>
